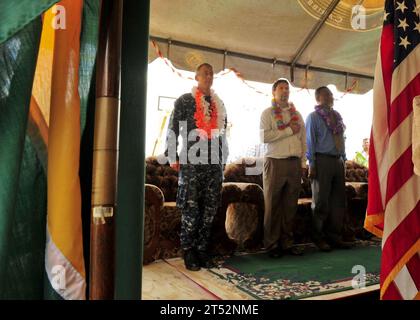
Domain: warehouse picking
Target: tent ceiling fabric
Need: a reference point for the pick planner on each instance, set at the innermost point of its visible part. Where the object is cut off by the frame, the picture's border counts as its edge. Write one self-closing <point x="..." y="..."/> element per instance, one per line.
<point x="269" y="29"/>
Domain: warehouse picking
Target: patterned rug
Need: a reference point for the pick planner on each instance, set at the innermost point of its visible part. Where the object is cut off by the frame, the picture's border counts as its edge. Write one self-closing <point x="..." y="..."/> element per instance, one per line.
<point x="313" y="274"/>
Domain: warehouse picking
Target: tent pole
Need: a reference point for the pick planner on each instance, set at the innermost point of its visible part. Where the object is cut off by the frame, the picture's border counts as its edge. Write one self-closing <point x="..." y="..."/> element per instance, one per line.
<point x="105" y="152"/>
<point x="255" y="58"/>
<point x="312" y="34"/>
<point x="131" y="167"/>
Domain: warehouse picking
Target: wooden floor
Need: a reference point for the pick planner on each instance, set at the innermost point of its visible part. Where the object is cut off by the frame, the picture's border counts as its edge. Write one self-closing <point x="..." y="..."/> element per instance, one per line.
<point x="163" y="282"/>
<point x="169" y="280"/>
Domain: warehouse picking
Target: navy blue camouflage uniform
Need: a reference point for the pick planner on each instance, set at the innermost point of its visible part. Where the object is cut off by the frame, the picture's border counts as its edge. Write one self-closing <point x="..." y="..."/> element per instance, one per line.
<point x="199" y="184"/>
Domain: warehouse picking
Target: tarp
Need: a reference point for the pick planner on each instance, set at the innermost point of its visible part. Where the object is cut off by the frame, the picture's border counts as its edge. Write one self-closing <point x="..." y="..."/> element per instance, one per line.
<point x="269" y="29"/>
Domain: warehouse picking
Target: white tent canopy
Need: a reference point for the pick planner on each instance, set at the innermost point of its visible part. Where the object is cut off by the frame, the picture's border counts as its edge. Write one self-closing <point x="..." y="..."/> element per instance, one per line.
<point x="267" y="39"/>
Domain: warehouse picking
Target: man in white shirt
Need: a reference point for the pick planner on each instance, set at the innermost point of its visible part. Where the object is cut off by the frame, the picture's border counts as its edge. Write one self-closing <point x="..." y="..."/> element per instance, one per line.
<point x="283" y="130"/>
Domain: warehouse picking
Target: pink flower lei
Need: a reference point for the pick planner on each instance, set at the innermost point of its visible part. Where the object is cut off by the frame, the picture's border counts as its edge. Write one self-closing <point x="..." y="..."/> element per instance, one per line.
<point x="339" y="126"/>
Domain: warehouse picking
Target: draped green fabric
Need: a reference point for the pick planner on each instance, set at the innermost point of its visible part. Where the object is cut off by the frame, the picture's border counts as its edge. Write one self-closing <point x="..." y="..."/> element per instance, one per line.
<point x="15" y="15"/>
<point x="21" y="177"/>
<point x="25" y="252"/>
<point x="88" y="48"/>
<point x="23" y="182"/>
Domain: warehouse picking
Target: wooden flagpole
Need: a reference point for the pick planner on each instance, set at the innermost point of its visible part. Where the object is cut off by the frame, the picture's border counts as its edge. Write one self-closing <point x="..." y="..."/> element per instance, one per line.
<point x="105" y="152"/>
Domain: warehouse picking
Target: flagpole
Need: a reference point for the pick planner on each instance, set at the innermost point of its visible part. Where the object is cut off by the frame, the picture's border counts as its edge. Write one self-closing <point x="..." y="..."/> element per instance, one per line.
<point x="105" y="152"/>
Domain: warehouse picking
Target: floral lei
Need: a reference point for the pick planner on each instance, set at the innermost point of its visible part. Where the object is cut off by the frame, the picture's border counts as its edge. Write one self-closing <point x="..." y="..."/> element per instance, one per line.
<point x="209" y="116"/>
<point x="278" y="115"/>
<point x="339" y="126"/>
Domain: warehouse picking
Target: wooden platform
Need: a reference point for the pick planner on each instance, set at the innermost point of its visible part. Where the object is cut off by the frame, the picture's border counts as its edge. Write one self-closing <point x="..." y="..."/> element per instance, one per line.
<point x="169" y="280"/>
<point x="163" y="282"/>
<point x="346" y="294"/>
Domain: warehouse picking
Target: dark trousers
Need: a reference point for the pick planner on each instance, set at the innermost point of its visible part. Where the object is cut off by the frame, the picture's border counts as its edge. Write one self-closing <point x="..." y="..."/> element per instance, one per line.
<point x="328" y="199"/>
<point x="199" y="195"/>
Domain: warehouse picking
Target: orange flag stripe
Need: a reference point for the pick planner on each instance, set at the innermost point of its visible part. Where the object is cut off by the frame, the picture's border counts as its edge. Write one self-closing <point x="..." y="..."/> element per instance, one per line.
<point x="64" y="198"/>
<point x="36" y="117"/>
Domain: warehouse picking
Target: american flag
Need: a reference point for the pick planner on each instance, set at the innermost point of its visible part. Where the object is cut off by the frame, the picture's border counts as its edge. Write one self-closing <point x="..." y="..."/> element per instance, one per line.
<point x="393" y="210"/>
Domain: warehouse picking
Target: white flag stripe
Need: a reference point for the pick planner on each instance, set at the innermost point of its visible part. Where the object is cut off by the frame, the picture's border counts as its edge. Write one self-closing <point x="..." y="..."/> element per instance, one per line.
<point x="380" y="128"/>
<point x="405" y="73"/>
<point x="400" y="205"/>
<point x="74" y="283"/>
<point x="405" y="284"/>
<point x="400" y="140"/>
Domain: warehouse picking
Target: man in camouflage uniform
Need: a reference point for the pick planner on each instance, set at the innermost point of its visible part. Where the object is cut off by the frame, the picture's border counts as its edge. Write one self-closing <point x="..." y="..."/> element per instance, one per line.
<point x="200" y="164"/>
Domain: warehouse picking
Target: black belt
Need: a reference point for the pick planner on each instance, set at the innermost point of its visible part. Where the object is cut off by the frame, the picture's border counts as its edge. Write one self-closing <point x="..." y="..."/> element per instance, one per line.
<point x="328" y="155"/>
<point x="292" y="158"/>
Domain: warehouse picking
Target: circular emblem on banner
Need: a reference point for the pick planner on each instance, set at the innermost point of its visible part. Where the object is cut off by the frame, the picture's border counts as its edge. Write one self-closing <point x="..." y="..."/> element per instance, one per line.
<point x="194" y="59"/>
<point x="353" y="15"/>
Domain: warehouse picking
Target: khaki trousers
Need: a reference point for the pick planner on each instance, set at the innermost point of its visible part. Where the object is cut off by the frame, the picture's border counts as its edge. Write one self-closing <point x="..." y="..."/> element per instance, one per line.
<point x="282" y="185"/>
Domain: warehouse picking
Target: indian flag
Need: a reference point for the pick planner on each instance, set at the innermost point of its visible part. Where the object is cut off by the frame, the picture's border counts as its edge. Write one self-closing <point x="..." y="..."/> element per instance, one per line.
<point x="64" y="264"/>
<point x="47" y="57"/>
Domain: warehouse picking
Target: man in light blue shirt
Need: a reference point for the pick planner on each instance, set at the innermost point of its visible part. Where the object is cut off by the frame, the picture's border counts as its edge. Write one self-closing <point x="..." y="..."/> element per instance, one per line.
<point x="326" y="155"/>
<point x="320" y="139"/>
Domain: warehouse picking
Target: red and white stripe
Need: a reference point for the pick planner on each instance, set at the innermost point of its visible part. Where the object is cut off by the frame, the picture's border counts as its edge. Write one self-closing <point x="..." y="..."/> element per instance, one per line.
<point x="394" y="189"/>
